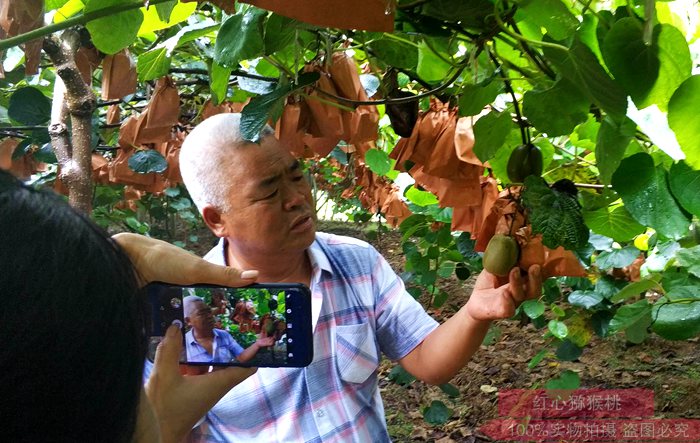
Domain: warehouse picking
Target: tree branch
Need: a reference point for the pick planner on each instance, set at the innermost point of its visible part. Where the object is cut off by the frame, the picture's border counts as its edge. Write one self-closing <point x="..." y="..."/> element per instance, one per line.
<point x="80" y="101"/>
<point x="68" y="23"/>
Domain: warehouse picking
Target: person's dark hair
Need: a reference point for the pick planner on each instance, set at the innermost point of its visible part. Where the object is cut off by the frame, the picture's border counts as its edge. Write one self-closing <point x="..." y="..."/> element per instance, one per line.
<point x="72" y="323"/>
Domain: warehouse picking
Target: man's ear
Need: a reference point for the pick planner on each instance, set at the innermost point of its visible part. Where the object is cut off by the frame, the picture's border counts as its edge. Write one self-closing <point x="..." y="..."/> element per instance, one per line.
<point x="212" y="218"/>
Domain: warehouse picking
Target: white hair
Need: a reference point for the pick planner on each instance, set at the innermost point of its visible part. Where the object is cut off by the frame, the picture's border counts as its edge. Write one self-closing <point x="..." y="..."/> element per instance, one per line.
<point x="189" y="304"/>
<point x="205" y="159"/>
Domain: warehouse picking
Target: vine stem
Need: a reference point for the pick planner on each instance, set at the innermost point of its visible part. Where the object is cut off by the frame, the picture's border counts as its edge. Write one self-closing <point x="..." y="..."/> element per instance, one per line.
<point x="521" y="122"/>
<point x="522" y="38"/>
<point x="77" y="20"/>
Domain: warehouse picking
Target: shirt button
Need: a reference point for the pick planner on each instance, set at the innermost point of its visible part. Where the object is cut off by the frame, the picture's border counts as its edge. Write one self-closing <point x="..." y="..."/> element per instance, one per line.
<point x="320" y="413"/>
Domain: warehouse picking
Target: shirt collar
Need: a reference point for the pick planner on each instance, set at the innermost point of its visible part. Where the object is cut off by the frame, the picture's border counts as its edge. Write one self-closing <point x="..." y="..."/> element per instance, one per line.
<point x="318" y="258"/>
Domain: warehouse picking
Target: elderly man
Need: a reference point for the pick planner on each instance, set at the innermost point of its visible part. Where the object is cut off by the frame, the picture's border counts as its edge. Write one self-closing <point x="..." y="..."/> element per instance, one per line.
<point x="257" y="200"/>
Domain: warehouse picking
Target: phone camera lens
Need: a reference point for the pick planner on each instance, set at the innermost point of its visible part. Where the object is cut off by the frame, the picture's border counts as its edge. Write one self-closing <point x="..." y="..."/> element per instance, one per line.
<point x="175" y="303"/>
<point x="177" y="323"/>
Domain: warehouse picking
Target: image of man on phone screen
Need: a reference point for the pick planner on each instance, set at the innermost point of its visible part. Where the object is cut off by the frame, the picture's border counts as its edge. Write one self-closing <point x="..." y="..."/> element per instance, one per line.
<point x="256" y="198"/>
<point x="206" y="344"/>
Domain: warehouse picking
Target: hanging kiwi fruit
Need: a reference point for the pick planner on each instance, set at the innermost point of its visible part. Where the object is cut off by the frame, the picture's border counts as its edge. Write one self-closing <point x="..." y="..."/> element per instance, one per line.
<point x="525" y="160"/>
<point x="501" y="255"/>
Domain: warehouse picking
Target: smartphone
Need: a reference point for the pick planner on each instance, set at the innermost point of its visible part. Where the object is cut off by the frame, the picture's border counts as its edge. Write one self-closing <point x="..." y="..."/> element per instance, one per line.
<point x="261" y="325"/>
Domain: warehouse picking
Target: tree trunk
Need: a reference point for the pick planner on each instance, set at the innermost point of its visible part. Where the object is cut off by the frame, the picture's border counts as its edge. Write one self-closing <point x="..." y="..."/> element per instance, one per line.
<point x="72" y="96"/>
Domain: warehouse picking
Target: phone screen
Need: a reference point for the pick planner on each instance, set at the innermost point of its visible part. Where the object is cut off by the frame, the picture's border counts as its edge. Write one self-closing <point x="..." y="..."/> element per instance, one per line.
<point x="263" y="325"/>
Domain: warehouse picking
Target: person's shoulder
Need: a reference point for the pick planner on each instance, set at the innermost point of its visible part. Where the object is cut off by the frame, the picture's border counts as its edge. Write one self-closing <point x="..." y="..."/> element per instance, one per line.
<point x="222" y="333"/>
<point x="347" y="252"/>
<point x="340" y="241"/>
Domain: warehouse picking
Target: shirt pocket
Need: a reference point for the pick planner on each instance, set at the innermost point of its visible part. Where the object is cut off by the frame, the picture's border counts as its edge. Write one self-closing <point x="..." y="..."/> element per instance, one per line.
<point x="356" y="352"/>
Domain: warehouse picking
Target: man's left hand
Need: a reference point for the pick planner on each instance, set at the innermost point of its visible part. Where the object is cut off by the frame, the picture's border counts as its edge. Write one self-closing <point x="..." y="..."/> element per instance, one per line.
<point x="179" y="401"/>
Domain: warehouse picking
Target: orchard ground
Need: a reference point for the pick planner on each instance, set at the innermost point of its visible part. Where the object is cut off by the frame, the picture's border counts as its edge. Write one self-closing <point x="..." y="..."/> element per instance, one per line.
<point x="670" y="368"/>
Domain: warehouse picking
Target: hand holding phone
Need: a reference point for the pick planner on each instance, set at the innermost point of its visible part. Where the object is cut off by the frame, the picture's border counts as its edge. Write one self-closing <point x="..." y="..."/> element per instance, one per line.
<point x="262" y="325"/>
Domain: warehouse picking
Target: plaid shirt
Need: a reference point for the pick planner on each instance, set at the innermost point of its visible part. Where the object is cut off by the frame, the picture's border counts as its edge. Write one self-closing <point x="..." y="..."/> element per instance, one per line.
<point x="224" y="348"/>
<point x="359" y="308"/>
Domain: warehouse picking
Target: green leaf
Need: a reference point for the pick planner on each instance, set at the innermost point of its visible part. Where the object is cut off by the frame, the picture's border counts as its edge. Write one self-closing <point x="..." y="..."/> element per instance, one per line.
<point x="395" y="53"/>
<point x="685" y="183"/>
<point x="378" y="161"/>
<point x="650" y="73"/>
<point x="437" y="413"/>
<point x="115" y="32"/>
<point x="581" y="67"/>
<point x="165" y="9"/>
<point x="473" y="98"/>
<point x="253" y="85"/>
<point x="493" y="334"/>
<point x="240" y="38"/>
<point x="218" y="82"/>
<point x="645" y="192"/>
<point x="588" y="33"/>
<point x="554" y="214"/>
<point x="29" y="106"/>
<point x="585" y="299"/>
<point x="490" y="132"/>
<point x="557" y="110"/>
<point x="279" y="33"/>
<point x="678" y="277"/>
<point x="567" y="380"/>
<point x="628" y="315"/>
<point x="537" y="359"/>
<point x="263" y="107"/>
<point x="684" y="119"/>
<point x="400" y="376"/>
<point x="617" y="258"/>
<point x="450" y="390"/>
<point x="147" y="160"/>
<point x="45" y="154"/>
<point x="469" y="13"/>
<point x="420" y="198"/>
<point x="54" y="4"/>
<point x="552" y="15"/>
<point x="638" y="331"/>
<point x="616" y="223"/>
<point x="558" y="329"/>
<point x="533" y="308"/>
<point x="153" y="22"/>
<point x="611" y="144"/>
<point x="568" y="351"/>
<point x="153" y="64"/>
<point x="690" y="258"/>
<point x="607" y="286"/>
<point x="662" y="253"/>
<point x="678" y="319"/>
<point x="431" y="67"/>
<point x="636" y="288"/>
<point x="446" y="269"/>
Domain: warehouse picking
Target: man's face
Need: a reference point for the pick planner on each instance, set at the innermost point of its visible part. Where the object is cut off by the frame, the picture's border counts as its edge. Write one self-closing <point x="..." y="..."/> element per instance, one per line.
<point x="201" y="319"/>
<point x="271" y="206"/>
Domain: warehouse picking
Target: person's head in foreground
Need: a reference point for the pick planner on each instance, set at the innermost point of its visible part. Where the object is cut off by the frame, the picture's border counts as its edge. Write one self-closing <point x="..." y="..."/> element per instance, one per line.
<point x="72" y="323"/>
<point x="255" y="195"/>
